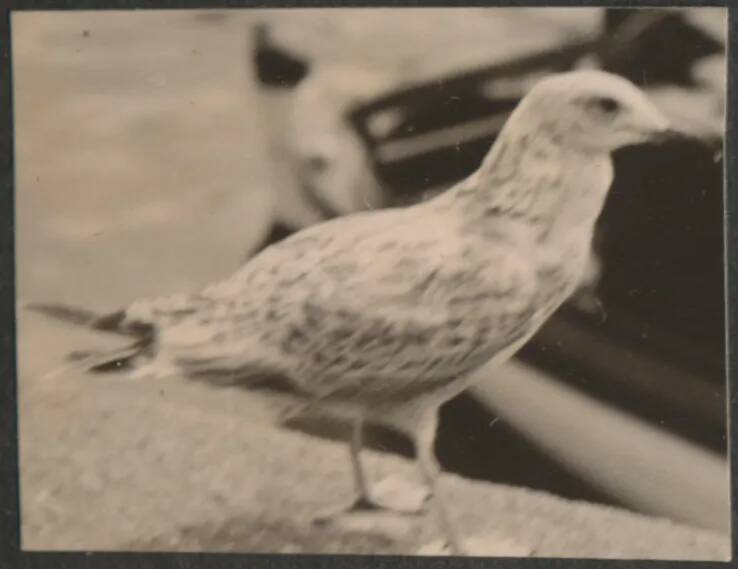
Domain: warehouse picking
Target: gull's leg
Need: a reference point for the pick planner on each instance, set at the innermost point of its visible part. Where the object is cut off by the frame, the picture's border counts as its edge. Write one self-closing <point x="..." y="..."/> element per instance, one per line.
<point x="363" y="500"/>
<point x="425" y="436"/>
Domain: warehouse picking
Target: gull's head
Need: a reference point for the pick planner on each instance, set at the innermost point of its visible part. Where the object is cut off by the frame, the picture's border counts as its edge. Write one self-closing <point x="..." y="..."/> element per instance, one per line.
<point x="595" y="111"/>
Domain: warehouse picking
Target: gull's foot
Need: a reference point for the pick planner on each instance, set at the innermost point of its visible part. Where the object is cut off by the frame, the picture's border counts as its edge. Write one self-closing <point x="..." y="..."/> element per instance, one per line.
<point x="359" y="505"/>
<point x="491" y="545"/>
<point x="370" y="517"/>
<point x="437" y="548"/>
<point x="392" y="495"/>
<point x="363" y="507"/>
<point x="401" y="495"/>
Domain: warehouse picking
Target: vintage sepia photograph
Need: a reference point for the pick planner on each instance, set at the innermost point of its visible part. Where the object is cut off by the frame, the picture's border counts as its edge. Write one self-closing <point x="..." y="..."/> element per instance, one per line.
<point x="376" y="281"/>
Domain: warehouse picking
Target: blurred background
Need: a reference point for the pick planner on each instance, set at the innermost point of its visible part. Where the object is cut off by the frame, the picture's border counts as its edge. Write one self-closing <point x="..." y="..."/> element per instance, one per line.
<point x="156" y="151"/>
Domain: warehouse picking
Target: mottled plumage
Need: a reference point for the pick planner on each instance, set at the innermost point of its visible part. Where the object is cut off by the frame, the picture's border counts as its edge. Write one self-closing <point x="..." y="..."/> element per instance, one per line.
<point x="388" y="312"/>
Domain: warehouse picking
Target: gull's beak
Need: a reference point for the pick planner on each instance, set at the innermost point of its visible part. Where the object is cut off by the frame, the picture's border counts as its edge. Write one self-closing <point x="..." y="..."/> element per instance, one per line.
<point x="663" y="131"/>
<point x="671" y="134"/>
<point x="657" y="128"/>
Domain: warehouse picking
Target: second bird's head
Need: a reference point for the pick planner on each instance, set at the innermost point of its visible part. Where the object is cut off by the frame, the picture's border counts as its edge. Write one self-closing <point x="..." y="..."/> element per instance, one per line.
<point x="594" y="112"/>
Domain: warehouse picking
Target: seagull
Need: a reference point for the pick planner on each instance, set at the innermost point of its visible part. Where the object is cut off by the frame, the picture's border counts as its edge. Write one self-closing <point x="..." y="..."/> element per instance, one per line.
<point x="387" y="314"/>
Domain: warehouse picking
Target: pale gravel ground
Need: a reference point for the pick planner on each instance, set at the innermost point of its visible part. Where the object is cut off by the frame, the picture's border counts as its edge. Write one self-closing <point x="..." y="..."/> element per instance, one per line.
<point x="139" y="156"/>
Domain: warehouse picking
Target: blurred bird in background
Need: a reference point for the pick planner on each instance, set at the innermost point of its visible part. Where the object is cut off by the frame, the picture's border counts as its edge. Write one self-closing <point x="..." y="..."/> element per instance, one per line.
<point x="321" y="168"/>
<point x="386" y="314"/>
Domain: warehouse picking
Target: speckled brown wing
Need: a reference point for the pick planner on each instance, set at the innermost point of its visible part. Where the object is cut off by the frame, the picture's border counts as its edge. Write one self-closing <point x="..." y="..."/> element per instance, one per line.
<point x="396" y="306"/>
<point x="392" y="313"/>
<point x="408" y="330"/>
<point x="235" y="325"/>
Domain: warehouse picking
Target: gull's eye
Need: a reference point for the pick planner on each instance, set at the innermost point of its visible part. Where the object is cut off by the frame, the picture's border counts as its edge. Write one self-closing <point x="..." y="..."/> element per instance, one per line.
<point x="607" y="105"/>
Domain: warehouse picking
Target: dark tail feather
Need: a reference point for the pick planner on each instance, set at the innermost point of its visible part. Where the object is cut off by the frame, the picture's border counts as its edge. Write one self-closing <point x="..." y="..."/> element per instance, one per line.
<point x="120" y="359"/>
<point x="78" y="316"/>
<point x="115" y="322"/>
<point x="103" y="361"/>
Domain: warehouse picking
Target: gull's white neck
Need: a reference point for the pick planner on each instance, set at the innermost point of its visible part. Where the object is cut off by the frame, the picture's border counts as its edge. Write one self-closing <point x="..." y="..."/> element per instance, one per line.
<point x="531" y="175"/>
